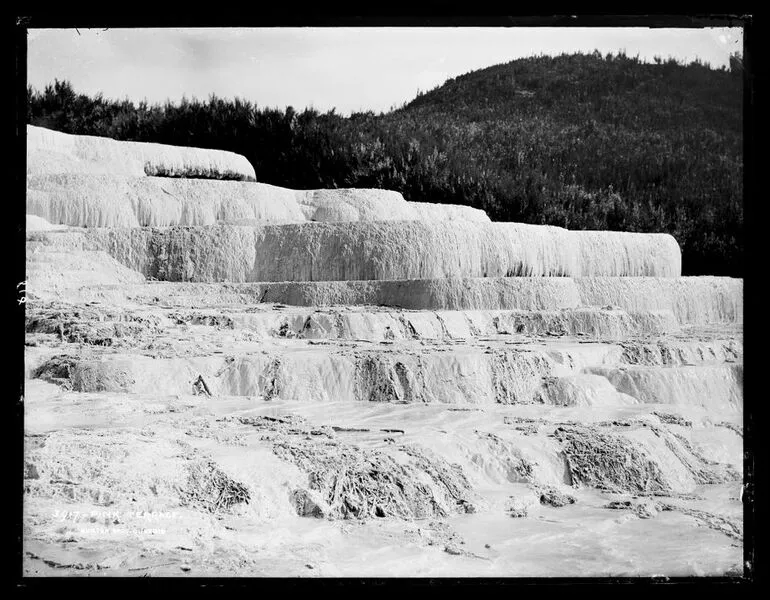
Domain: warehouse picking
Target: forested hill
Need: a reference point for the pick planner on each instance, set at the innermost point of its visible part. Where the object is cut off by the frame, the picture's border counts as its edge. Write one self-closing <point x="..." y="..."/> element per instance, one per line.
<point x="581" y="141"/>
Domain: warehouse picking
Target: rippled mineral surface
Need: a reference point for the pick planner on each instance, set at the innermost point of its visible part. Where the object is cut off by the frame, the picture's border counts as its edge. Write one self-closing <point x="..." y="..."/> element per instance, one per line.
<point x="224" y="378"/>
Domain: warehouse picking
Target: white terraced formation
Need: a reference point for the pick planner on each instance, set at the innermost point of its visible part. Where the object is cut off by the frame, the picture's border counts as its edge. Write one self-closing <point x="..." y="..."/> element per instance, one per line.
<point x="52" y="152"/>
<point x="267" y="364"/>
<point x="88" y="181"/>
<point x="83" y="200"/>
<point x="101" y="200"/>
<point x="386" y="250"/>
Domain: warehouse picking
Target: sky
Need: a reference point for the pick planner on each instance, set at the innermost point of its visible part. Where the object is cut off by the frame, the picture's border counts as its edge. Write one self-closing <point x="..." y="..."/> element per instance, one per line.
<point x="349" y="69"/>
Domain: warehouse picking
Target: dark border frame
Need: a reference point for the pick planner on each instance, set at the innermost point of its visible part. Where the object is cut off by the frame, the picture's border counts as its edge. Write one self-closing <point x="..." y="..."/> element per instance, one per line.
<point x="425" y="17"/>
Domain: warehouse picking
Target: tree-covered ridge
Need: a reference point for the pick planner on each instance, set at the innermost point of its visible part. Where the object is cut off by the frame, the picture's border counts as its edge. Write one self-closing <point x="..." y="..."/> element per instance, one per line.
<point x="581" y="141"/>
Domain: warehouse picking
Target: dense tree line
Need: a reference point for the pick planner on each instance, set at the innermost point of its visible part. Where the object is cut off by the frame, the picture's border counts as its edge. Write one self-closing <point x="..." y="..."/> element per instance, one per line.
<point x="581" y="141"/>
